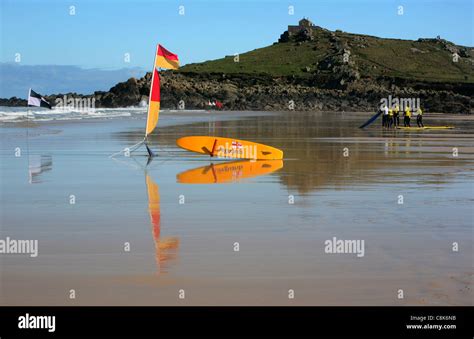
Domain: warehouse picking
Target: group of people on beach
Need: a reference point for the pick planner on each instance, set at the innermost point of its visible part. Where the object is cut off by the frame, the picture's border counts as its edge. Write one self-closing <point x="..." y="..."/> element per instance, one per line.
<point x="391" y="116"/>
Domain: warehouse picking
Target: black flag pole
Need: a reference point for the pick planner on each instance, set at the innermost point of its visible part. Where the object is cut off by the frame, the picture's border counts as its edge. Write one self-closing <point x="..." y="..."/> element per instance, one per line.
<point x="27" y="134"/>
<point x="150" y="152"/>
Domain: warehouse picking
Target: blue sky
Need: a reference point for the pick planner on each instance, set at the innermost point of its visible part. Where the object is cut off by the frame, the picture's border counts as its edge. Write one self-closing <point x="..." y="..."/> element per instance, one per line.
<point x="101" y="32"/>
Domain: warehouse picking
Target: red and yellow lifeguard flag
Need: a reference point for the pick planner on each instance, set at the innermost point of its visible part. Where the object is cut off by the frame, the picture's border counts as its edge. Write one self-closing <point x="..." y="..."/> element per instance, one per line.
<point x="166" y="59"/>
<point x="163" y="59"/>
<point x="154" y="103"/>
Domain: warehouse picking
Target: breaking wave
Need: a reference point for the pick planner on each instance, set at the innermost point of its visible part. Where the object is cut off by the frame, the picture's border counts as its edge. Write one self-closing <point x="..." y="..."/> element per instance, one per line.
<point x="35" y="114"/>
<point x="19" y="114"/>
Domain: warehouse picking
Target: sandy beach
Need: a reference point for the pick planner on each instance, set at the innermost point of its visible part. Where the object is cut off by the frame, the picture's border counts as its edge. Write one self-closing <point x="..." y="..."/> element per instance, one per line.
<point x="120" y="233"/>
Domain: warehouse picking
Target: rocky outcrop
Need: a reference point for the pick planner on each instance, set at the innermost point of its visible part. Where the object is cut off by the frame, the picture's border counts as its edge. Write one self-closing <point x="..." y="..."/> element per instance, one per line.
<point x="345" y="91"/>
<point x="12" y="102"/>
<point x="261" y="92"/>
<point x="448" y="46"/>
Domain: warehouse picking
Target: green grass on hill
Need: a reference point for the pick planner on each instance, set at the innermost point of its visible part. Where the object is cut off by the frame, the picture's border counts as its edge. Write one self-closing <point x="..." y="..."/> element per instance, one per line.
<point x="414" y="60"/>
<point x="372" y="56"/>
<point x="280" y="59"/>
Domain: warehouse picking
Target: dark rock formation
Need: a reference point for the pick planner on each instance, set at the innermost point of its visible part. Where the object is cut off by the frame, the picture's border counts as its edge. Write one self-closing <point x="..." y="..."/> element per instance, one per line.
<point x="246" y="92"/>
<point x="13" y="102"/>
<point x="262" y="92"/>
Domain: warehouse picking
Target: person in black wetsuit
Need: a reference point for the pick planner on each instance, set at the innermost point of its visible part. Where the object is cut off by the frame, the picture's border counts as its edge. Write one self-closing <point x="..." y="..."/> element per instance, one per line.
<point x="419" y="117"/>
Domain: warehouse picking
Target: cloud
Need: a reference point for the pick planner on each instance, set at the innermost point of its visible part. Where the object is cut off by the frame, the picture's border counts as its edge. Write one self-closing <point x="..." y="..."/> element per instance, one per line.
<point x="53" y="79"/>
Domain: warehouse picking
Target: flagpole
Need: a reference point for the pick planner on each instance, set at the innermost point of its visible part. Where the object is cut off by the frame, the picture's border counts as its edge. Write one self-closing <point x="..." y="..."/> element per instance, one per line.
<point x="144" y="141"/>
<point x="27" y="136"/>
<point x="150" y="153"/>
<point x="151" y="88"/>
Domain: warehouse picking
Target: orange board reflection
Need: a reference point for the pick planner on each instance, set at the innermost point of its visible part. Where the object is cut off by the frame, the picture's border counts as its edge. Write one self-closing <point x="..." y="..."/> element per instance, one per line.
<point x="228" y="172"/>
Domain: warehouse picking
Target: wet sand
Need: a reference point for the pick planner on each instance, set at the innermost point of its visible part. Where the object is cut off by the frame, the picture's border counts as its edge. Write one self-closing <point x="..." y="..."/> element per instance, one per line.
<point x="190" y="246"/>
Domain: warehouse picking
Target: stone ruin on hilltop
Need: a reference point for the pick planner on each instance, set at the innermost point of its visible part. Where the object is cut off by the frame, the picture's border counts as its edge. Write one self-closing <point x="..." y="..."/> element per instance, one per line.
<point x="302" y="32"/>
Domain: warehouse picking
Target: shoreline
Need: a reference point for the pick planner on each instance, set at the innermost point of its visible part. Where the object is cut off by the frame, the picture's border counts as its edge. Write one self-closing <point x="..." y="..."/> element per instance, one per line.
<point x="197" y="113"/>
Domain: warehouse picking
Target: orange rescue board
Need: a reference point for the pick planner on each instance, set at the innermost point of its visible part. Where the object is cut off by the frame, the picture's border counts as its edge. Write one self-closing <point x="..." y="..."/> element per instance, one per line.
<point x="229" y="148"/>
<point x="228" y="172"/>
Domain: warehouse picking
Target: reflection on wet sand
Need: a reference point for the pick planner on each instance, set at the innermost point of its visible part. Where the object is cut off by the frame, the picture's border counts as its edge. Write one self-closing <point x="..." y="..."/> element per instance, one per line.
<point x="165" y="248"/>
<point x="228" y="172"/>
<point x="408" y="246"/>
<point x="38" y="164"/>
<point x="315" y="145"/>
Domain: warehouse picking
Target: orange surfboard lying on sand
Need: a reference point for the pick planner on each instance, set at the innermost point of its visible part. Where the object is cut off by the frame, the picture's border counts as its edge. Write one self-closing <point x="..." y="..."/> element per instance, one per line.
<point x="229" y="148"/>
<point x="228" y="172"/>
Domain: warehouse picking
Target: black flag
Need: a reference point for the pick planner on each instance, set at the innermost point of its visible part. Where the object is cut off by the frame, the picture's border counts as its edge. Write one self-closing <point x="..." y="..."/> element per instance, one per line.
<point x="35" y="99"/>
